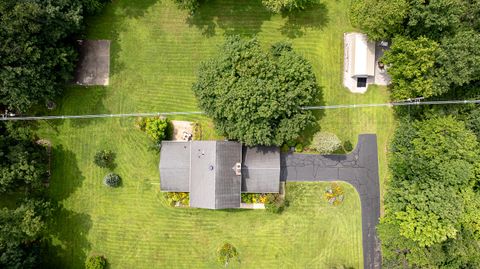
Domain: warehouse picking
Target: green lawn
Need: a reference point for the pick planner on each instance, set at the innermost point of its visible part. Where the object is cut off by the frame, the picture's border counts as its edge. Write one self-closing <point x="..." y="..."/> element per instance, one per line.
<point x="156" y="50"/>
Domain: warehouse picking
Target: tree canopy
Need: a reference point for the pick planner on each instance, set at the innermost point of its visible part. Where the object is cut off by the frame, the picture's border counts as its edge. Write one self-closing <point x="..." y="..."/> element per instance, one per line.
<point x="20" y="230"/>
<point x="411" y="66"/>
<point x="435" y="44"/>
<point x="22" y="162"/>
<point x="379" y="18"/>
<point x="278" y="6"/>
<point x="255" y="96"/>
<point x="431" y="199"/>
<point x="36" y="56"/>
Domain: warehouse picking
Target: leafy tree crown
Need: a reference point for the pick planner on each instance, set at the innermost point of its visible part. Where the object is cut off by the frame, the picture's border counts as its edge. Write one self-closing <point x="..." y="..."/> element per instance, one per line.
<point x="255" y="96"/>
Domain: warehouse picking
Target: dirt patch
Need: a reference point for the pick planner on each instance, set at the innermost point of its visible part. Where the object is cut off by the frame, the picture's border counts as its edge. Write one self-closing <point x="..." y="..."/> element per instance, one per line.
<point x="94" y="62"/>
<point x="182" y="130"/>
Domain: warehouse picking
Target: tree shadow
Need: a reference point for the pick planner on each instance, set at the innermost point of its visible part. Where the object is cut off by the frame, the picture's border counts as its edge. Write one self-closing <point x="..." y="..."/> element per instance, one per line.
<point x="243" y="18"/>
<point x="67" y="245"/>
<point x="307" y="135"/>
<point x="66" y="176"/>
<point x="134" y="9"/>
<point x="315" y="16"/>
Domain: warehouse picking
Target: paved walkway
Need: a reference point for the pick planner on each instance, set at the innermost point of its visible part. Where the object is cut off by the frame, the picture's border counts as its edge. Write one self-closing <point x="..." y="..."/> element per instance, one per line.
<point x="359" y="168"/>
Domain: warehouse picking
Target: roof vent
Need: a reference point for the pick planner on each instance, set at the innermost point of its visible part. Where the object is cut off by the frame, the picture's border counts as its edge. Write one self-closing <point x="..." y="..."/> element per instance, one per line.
<point x="210" y="167"/>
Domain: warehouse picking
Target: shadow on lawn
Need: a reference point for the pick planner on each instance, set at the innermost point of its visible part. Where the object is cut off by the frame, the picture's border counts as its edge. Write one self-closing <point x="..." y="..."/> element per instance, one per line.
<point x="67" y="245"/>
<point x="234" y="17"/>
<point x="66" y="176"/>
<point x="314" y="17"/>
<point x="118" y="12"/>
<point x="134" y="9"/>
<point x="77" y="100"/>
<point x="307" y="134"/>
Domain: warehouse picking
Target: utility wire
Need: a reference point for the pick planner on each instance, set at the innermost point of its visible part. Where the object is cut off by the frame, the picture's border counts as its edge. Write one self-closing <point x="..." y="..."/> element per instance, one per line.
<point x="406" y="103"/>
<point x="8" y="117"/>
<point x="14" y="118"/>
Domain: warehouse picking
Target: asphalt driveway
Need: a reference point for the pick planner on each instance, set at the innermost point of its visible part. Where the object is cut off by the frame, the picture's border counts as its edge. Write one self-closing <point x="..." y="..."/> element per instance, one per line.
<point x="359" y="168"/>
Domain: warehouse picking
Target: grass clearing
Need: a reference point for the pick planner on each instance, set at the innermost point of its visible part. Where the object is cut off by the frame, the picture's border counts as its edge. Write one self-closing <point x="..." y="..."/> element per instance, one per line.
<point x="155" y="52"/>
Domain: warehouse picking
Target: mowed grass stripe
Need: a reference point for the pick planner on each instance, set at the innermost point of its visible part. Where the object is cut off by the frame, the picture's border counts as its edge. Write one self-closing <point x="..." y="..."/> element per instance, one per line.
<point x="155" y="54"/>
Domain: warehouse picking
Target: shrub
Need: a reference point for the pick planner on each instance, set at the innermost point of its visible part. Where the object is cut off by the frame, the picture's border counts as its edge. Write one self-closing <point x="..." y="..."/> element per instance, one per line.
<point x="112" y="180"/>
<point x="226" y="253"/>
<point x="95" y="262"/>
<point x="275" y="203"/>
<point x="291" y="143"/>
<point x="326" y="143"/>
<point x="177" y="197"/>
<point x="251" y="198"/>
<point x="334" y="194"/>
<point x="197" y="131"/>
<point x="347" y="146"/>
<point x="104" y="158"/>
<point x="141" y="123"/>
<point x="299" y="147"/>
<point x="156" y="128"/>
<point x="278" y="6"/>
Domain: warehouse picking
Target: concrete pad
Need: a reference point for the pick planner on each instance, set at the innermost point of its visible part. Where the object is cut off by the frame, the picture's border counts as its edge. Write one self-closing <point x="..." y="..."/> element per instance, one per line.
<point x="93" y="67"/>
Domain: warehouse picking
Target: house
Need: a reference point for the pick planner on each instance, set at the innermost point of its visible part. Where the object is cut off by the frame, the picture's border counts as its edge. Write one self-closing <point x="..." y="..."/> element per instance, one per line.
<point x="362" y="65"/>
<point x="215" y="173"/>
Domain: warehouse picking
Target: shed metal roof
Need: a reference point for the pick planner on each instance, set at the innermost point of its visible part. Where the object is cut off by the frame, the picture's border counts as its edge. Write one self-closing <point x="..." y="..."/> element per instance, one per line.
<point x="362" y="55"/>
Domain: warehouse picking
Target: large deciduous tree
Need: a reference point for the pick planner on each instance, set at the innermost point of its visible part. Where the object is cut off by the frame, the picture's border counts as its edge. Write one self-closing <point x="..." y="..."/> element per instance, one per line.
<point x="411" y="66"/>
<point x="22" y="161"/>
<point x="379" y="19"/>
<point x="431" y="200"/>
<point x="434" y="18"/>
<point x="459" y="58"/>
<point x="255" y="96"/>
<point x="36" y="55"/>
<point x="20" y="232"/>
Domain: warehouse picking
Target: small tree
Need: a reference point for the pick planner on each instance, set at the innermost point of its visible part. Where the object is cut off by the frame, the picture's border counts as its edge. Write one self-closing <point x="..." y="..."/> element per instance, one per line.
<point x="226" y="253"/>
<point x="112" y="180"/>
<point x="104" y="158"/>
<point x="95" y="262"/>
<point x="326" y="143"/>
<point x="156" y="128"/>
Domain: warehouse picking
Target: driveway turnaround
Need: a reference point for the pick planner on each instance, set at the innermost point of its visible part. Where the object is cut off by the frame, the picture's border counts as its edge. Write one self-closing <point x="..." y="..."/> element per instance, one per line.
<point x="359" y="168"/>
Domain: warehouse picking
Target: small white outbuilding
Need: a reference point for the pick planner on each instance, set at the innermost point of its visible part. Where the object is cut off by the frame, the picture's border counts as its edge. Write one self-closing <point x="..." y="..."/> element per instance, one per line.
<point x="361" y="63"/>
<point x="362" y="56"/>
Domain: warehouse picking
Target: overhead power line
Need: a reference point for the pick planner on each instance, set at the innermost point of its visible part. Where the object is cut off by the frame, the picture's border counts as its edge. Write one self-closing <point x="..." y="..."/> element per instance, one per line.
<point x="7" y="117"/>
<point x="95" y="116"/>
<point x="406" y="103"/>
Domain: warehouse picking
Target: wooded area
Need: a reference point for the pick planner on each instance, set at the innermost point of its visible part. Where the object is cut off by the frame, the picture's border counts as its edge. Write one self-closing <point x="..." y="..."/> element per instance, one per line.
<point x="432" y="205"/>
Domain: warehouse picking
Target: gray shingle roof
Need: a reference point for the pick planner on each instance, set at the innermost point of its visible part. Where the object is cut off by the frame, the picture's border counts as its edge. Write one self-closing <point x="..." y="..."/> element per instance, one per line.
<point x="175" y="166"/>
<point x="227" y="183"/>
<point x="261" y="169"/>
<point x="202" y="174"/>
<point x="206" y="170"/>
